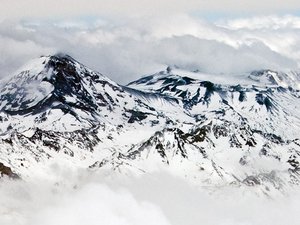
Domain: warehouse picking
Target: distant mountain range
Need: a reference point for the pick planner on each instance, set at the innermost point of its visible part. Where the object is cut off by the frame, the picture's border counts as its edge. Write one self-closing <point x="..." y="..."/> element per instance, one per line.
<point x="56" y="110"/>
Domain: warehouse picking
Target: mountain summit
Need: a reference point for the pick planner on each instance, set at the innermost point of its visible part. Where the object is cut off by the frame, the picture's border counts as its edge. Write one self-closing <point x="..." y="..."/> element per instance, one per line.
<point x="56" y="110"/>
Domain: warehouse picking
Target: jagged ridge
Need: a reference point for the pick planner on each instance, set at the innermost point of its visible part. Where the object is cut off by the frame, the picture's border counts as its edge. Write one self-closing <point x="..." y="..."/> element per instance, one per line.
<point x="215" y="133"/>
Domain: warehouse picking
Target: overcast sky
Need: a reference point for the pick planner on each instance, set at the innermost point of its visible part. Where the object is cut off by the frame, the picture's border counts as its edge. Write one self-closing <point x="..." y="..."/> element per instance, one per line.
<point x="63" y="8"/>
<point x="127" y="39"/>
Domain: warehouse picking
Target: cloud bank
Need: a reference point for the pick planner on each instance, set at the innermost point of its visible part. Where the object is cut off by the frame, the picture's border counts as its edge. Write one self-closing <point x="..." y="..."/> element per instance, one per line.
<point x="128" y="48"/>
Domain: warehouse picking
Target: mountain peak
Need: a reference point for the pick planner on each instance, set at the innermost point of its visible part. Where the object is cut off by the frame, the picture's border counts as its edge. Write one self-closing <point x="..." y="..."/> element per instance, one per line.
<point x="57" y="56"/>
<point x="50" y="80"/>
<point x="39" y="68"/>
<point x="62" y="55"/>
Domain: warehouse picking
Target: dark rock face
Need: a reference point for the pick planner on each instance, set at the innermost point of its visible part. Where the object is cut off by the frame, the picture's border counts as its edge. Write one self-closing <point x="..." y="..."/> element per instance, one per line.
<point x="6" y="171"/>
<point x="136" y="116"/>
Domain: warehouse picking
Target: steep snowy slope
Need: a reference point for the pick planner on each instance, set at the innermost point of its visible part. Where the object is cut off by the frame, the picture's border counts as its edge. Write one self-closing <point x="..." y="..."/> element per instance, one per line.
<point x="247" y="133"/>
<point x="55" y="105"/>
<point x="55" y="110"/>
<point x="59" y="94"/>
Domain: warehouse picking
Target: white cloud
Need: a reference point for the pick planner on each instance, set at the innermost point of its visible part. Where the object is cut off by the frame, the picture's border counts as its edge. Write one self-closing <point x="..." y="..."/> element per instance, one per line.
<point x="266" y="22"/>
<point x="14" y="53"/>
<point x="129" y="48"/>
<point x="90" y="204"/>
<point x="97" y="204"/>
<point x="80" y="198"/>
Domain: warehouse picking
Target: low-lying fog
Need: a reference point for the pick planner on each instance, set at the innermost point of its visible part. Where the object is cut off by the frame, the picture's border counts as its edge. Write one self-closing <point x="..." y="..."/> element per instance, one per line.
<point x="86" y="198"/>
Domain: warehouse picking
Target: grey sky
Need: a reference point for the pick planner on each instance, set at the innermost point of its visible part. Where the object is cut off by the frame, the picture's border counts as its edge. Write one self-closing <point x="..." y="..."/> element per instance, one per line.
<point x="65" y="8"/>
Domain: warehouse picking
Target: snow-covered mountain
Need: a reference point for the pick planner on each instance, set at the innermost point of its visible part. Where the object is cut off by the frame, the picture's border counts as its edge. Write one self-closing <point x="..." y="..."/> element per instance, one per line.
<point x="56" y="110"/>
